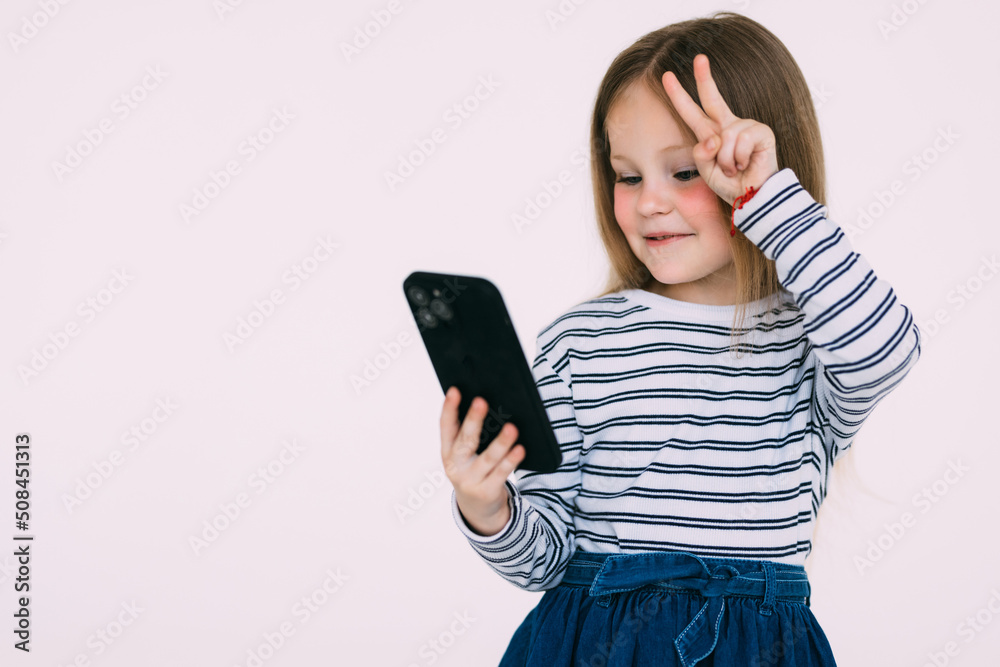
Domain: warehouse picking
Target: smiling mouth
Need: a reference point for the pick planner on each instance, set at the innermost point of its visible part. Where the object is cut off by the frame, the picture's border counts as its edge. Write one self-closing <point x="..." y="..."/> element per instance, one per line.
<point x="666" y="240"/>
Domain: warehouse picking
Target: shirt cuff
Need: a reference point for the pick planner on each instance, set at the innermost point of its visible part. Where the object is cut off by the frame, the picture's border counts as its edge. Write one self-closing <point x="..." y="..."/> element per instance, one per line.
<point x="482" y="539"/>
<point x="779" y="199"/>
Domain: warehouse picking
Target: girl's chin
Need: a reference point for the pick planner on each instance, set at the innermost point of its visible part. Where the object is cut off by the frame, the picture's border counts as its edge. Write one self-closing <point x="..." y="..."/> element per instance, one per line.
<point x="668" y="272"/>
<point x="660" y="281"/>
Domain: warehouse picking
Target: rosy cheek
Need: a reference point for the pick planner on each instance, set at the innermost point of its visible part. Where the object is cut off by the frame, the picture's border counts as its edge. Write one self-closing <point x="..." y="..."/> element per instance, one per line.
<point x="701" y="197"/>
<point x="623" y="206"/>
<point x="696" y="202"/>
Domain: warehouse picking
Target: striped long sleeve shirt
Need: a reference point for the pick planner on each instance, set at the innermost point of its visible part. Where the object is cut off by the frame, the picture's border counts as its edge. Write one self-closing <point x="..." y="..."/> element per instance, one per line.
<point x="670" y="442"/>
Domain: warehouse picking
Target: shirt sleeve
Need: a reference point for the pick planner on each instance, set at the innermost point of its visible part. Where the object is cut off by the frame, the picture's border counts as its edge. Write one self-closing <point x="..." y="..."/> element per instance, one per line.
<point x="535" y="546"/>
<point x="864" y="340"/>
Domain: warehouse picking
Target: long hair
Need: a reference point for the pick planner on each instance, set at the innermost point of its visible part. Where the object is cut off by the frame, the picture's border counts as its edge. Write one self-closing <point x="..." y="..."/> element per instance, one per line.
<point x="759" y="79"/>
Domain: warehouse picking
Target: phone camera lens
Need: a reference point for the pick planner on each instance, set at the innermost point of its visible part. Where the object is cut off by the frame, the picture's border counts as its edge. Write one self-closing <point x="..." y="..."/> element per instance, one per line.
<point x="418" y="295"/>
<point x="441" y="309"/>
<point x="426" y="319"/>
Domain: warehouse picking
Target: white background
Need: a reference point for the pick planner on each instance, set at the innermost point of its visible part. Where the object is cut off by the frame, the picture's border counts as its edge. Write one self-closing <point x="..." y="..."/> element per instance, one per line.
<point x="367" y="445"/>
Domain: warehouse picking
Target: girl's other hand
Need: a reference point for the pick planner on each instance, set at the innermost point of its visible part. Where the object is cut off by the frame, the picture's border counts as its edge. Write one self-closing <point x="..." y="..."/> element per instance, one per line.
<point x="479" y="479"/>
<point x="732" y="153"/>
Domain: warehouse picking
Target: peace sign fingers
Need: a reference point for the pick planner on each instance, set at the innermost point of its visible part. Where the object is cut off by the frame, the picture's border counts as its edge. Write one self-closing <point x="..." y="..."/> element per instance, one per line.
<point x="718" y="114"/>
<point x="732" y="153"/>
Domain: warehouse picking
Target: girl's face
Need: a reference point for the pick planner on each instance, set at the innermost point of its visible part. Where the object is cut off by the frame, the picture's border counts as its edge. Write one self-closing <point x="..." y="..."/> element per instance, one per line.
<point x="658" y="191"/>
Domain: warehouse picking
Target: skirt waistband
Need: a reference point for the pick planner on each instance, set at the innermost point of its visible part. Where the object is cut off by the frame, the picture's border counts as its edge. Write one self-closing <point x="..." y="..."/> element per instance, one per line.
<point x="607" y="573"/>
<point x="714" y="578"/>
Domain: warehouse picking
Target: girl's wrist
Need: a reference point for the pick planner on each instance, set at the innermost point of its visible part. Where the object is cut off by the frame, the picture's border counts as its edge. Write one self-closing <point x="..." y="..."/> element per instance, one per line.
<point x="743" y="198"/>
<point x="489" y="523"/>
<point x="492" y="528"/>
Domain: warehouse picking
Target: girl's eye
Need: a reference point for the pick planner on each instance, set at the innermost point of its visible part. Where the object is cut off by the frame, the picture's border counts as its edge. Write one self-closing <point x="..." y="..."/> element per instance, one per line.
<point x="683" y="176"/>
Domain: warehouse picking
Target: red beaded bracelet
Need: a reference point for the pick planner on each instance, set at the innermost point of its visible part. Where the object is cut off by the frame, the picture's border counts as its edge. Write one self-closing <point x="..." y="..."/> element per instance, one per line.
<point x="742" y="199"/>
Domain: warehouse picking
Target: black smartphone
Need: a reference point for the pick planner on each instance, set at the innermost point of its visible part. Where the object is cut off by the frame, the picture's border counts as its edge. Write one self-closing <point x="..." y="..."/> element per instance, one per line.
<point x="473" y="346"/>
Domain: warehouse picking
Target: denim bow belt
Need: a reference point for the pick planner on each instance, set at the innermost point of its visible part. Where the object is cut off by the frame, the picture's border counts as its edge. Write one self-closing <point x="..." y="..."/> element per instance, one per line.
<point x="713" y="578"/>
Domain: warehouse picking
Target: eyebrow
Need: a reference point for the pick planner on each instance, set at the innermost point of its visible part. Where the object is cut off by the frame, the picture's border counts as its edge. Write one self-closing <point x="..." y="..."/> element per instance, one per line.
<point x="662" y="150"/>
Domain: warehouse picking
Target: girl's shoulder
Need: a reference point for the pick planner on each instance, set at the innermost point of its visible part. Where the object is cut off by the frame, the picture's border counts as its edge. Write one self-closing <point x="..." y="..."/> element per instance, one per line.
<point x="585" y="321"/>
<point x="586" y="313"/>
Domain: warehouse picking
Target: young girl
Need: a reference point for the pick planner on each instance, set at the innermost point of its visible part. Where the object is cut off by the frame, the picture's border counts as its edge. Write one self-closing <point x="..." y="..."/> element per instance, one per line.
<point x="676" y="529"/>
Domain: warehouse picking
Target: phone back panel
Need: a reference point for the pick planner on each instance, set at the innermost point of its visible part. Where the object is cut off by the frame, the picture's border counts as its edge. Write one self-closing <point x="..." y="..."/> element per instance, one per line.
<point x="473" y="345"/>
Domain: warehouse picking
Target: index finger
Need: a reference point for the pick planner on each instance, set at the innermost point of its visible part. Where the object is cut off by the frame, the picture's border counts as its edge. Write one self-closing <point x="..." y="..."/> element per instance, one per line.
<point x="686" y="107"/>
<point x="696" y="118"/>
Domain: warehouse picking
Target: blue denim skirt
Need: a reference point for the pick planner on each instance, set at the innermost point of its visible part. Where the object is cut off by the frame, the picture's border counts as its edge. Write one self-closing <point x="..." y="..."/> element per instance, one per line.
<point x="667" y="608"/>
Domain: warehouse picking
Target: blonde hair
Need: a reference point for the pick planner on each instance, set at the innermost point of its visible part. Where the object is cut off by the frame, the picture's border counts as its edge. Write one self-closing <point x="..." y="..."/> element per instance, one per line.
<point x="759" y="79"/>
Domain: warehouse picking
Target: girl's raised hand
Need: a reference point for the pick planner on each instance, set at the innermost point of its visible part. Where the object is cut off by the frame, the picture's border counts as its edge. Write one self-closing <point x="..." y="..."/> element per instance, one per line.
<point x="732" y="153"/>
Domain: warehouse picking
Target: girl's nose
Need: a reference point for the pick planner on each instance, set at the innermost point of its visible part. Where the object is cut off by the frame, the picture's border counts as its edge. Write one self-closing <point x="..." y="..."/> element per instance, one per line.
<point x="654" y="200"/>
